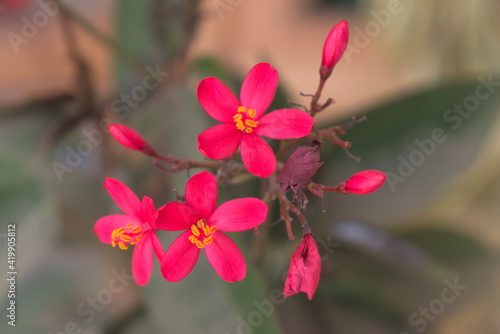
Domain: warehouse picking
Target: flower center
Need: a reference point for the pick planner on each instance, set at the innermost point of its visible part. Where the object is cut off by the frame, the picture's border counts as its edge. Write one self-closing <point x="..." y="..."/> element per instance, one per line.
<point x="123" y="236"/>
<point x="244" y="119"/>
<point x="202" y="234"/>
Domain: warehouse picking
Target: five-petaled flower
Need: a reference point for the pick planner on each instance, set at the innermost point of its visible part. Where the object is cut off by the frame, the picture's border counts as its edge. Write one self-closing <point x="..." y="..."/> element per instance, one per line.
<point x="244" y="120"/>
<point x="136" y="227"/>
<point x="305" y="268"/>
<point x="204" y="224"/>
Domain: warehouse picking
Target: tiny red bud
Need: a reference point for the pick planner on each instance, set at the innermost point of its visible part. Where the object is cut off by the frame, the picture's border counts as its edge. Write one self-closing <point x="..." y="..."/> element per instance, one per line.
<point x="305" y="268"/>
<point x="130" y="138"/>
<point x="362" y="183"/>
<point x="333" y="49"/>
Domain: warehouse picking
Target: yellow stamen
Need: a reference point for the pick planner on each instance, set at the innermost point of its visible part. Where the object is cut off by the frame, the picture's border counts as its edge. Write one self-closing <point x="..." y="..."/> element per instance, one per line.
<point x="244" y="122"/>
<point x="201" y="233"/>
<point x="195" y="230"/>
<point x="123" y="236"/>
<point x="251" y="123"/>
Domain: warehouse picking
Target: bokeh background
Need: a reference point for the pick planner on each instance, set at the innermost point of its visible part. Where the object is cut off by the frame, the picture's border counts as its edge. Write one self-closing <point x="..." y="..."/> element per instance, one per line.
<point x="418" y="256"/>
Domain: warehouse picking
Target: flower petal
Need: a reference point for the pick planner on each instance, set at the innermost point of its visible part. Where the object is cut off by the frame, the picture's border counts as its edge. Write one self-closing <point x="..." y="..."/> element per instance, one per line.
<point x="105" y="226"/>
<point x="258" y="88"/>
<point x="175" y="216"/>
<point x="124" y="197"/>
<point x="180" y="258"/>
<point x="226" y="258"/>
<point x="202" y="193"/>
<point x="220" y="141"/>
<point x="148" y="212"/>
<point x="285" y="124"/>
<point x="239" y="214"/>
<point x="217" y="100"/>
<point x="257" y="155"/>
<point x="142" y="260"/>
<point x="158" y="248"/>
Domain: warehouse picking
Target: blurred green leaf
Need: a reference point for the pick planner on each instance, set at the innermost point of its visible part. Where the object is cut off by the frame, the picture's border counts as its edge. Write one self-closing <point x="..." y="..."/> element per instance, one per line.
<point x="447" y="245"/>
<point x="363" y="296"/>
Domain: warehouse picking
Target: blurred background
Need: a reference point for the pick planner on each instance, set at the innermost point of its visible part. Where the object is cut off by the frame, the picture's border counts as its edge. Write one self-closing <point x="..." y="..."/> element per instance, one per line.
<point x="418" y="256"/>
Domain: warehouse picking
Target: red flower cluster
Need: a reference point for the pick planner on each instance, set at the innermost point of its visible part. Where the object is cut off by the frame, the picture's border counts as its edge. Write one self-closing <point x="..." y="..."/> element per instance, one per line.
<point x="244" y="123"/>
<point x="199" y="216"/>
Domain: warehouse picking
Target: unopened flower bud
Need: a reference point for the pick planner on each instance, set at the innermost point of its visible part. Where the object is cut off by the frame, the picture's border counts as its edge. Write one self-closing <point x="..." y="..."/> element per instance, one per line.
<point x="362" y="183"/>
<point x="333" y="49"/>
<point x="305" y="268"/>
<point x="298" y="169"/>
<point x="130" y="138"/>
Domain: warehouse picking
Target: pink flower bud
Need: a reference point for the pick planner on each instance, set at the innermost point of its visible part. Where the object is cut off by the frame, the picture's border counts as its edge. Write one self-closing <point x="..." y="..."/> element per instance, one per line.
<point x="130" y="138"/>
<point x="362" y="183"/>
<point x="333" y="49"/>
<point x="305" y="269"/>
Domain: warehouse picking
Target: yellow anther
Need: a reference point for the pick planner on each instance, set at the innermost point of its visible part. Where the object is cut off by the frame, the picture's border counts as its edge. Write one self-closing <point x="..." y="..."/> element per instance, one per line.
<point x="251" y="112"/>
<point x="129" y="234"/>
<point x="242" y="109"/>
<point x="125" y="237"/>
<point x="249" y="130"/>
<point x="237" y="117"/>
<point x="201" y="233"/>
<point x="195" y="230"/>
<point x="251" y="123"/>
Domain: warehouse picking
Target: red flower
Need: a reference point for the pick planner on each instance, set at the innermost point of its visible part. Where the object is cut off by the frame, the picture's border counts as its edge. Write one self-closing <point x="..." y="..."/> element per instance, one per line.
<point x="204" y="224"/>
<point x="305" y="269"/>
<point x="362" y="183"/>
<point x="244" y="120"/>
<point x="333" y="49"/>
<point x="135" y="227"/>
<point x="130" y="138"/>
